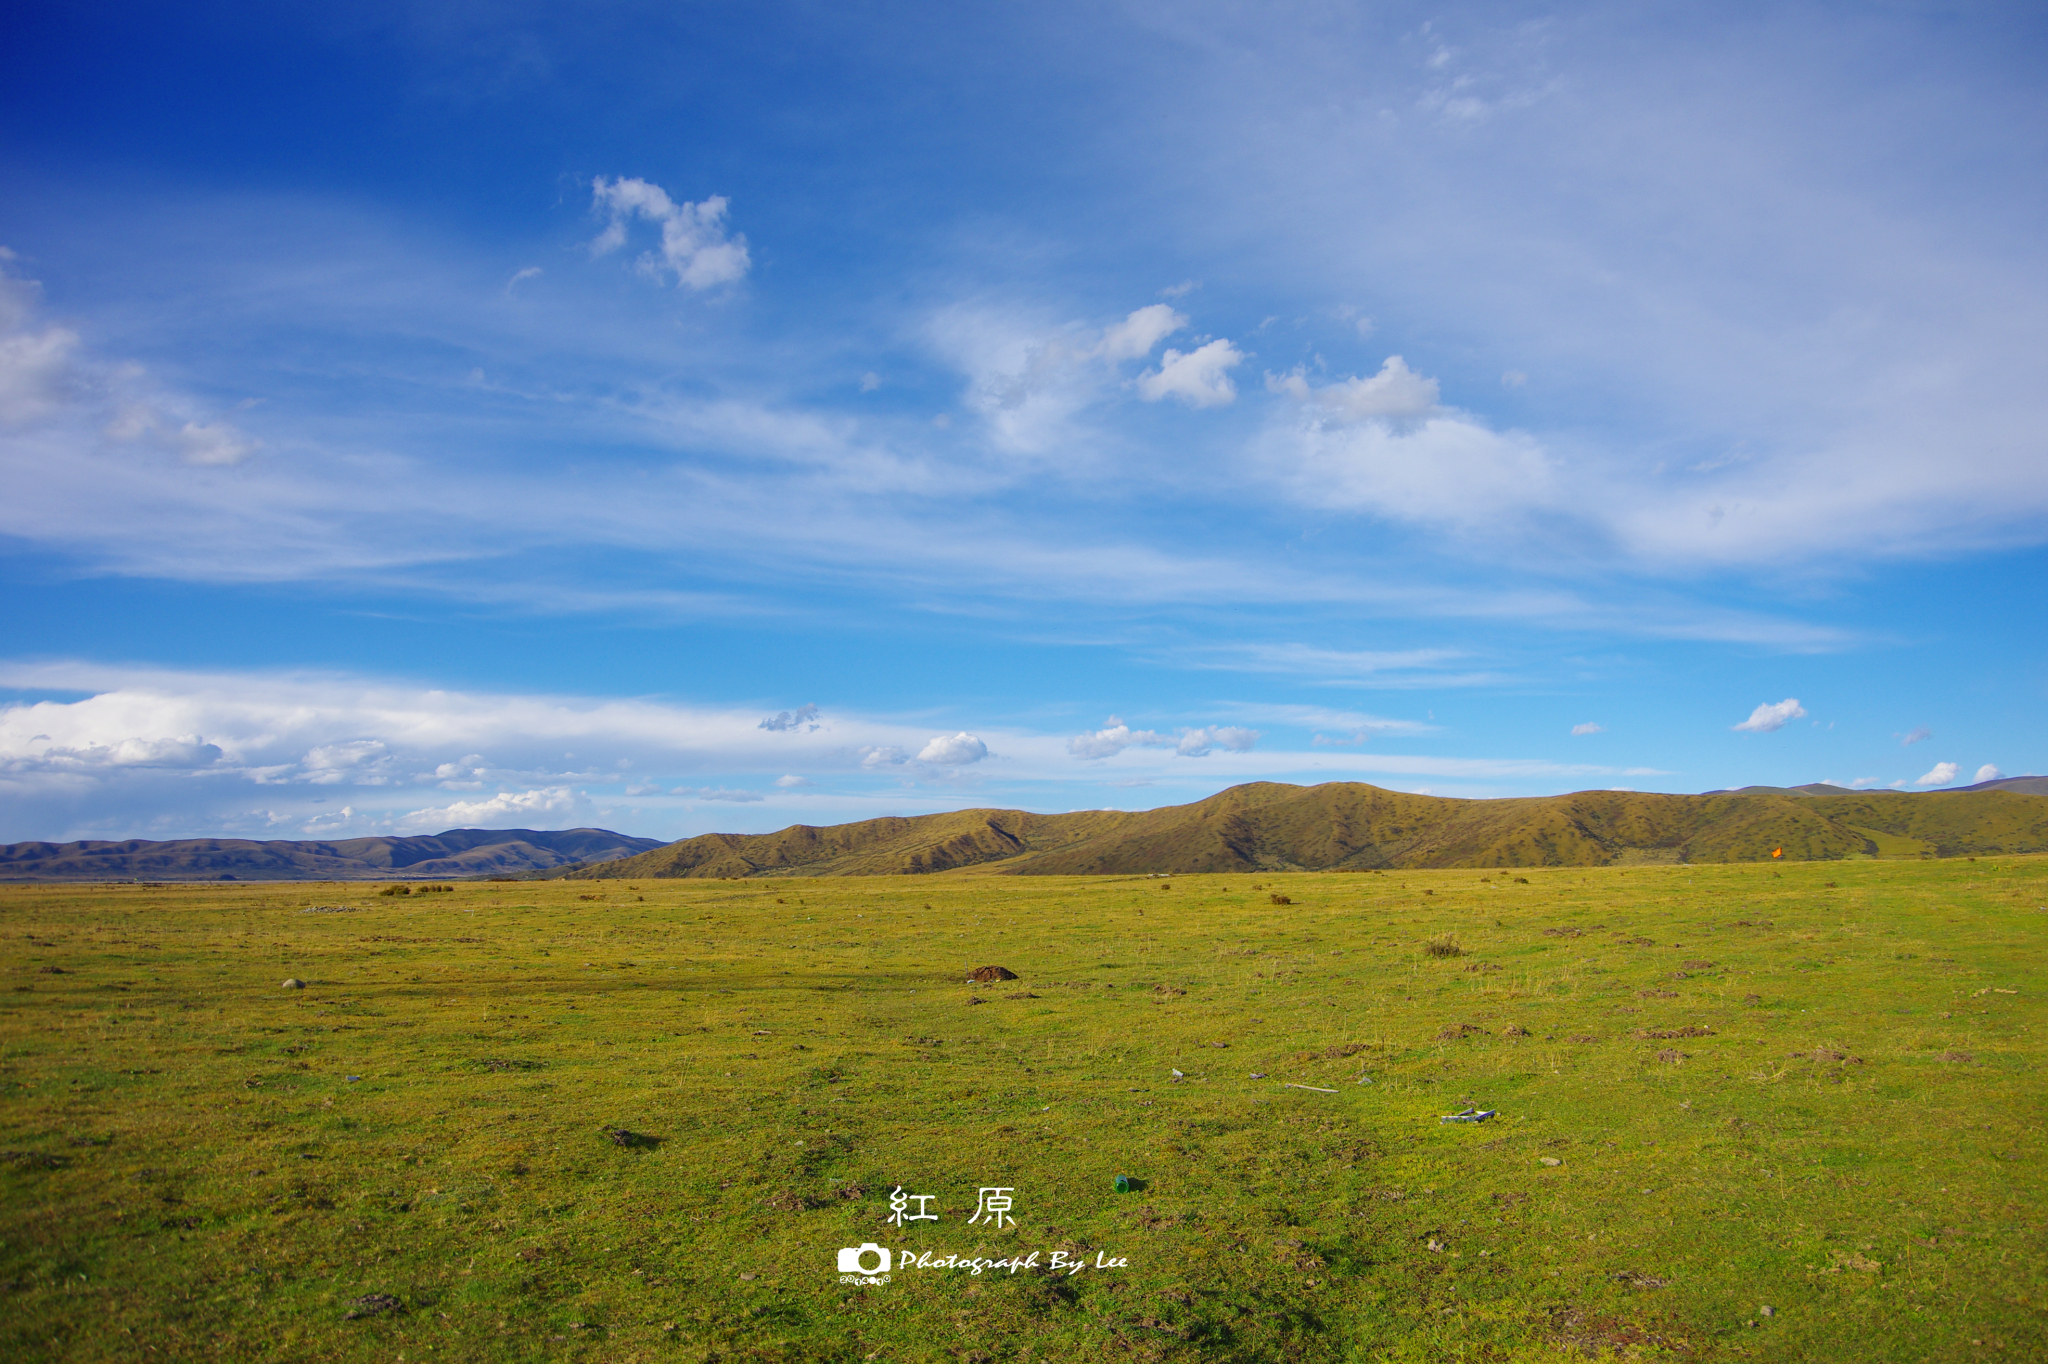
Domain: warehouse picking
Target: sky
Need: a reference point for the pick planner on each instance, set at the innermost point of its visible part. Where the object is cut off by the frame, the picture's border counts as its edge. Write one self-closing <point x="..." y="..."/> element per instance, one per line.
<point x="712" y="417"/>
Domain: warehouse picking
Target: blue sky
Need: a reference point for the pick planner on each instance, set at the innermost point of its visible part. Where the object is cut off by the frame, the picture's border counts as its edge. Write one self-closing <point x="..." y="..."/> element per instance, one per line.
<point x="696" y="417"/>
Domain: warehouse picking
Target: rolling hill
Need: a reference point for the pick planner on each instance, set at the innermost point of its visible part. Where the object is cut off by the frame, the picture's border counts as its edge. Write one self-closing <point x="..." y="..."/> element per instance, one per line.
<point x="1268" y="826"/>
<point x="455" y="853"/>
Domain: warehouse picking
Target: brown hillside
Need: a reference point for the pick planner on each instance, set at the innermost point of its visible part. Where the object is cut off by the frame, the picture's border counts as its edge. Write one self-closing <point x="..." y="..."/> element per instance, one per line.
<point x="1269" y="826"/>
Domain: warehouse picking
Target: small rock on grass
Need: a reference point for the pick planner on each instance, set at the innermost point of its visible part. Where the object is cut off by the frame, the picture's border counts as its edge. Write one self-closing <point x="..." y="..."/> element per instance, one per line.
<point x="372" y="1305"/>
<point x="294" y="984"/>
<point x="1767" y="1311"/>
<point x="1549" y="1160"/>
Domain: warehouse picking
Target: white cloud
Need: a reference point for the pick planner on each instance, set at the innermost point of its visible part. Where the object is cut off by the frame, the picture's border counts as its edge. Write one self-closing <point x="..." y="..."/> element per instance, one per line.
<point x="1029" y="377"/>
<point x="957" y="751"/>
<point x="1382" y="444"/>
<point x="1199" y="378"/>
<point x="361" y="761"/>
<point x="1113" y="738"/>
<point x="1135" y="336"/>
<point x="45" y="378"/>
<point x="1941" y="774"/>
<point x="694" y="245"/>
<point x="184" y="753"/>
<point x="874" y="756"/>
<point x="721" y="793"/>
<point x="792" y="782"/>
<point x="526" y="809"/>
<point x="1770" y="717"/>
<point x="1987" y="772"/>
<point x="804" y="718"/>
<point x="521" y="276"/>
<point x="1116" y="736"/>
<point x="36" y="375"/>
<point x="1196" y="743"/>
<point x="1588" y="728"/>
<point x="214" y="443"/>
<point x="1919" y="735"/>
<point x="1396" y="392"/>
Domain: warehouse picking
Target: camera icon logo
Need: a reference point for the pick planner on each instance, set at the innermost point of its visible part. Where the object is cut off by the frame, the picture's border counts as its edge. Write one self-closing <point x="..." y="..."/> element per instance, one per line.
<point x="850" y="1258"/>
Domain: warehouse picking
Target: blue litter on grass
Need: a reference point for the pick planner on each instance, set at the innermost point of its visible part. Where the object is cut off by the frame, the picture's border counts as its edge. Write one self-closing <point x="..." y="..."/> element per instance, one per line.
<point x="1469" y="1115"/>
<point x="351" y="1078"/>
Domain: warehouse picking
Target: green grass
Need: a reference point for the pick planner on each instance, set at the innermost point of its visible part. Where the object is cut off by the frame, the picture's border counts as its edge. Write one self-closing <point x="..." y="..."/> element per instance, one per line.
<point x="190" y="1172"/>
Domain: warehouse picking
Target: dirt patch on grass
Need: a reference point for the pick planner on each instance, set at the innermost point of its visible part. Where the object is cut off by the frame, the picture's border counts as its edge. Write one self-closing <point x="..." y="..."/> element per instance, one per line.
<point x="1458" y="1032"/>
<point x="1637" y="1279"/>
<point x="1332" y="1053"/>
<point x="1597" y="1335"/>
<point x="1667" y="1034"/>
<point x="985" y="975"/>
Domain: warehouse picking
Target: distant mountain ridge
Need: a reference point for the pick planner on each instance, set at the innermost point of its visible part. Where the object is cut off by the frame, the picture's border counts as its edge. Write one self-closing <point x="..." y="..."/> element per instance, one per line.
<point x="1269" y="826"/>
<point x="2032" y="786"/>
<point x="454" y="853"/>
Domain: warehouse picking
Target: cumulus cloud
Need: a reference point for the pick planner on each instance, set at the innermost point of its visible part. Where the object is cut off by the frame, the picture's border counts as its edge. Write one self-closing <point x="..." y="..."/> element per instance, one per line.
<point x="804" y="718"/>
<point x="1987" y="772"/>
<point x="1771" y="717"/>
<point x="873" y="756"/>
<point x="46" y="377"/>
<point x="184" y="753"/>
<point x="1383" y="444"/>
<point x="957" y="751"/>
<point x="1113" y="738"/>
<point x="1396" y="392"/>
<point x="517" y="808"/>
<point x="1588" y="728"/>
<point x="1200" y="378"/>
<point x="1116" y="736"/>
<point x="1028" y="378"/>
<point x="695" y="247"/>
<point x="1196" y="743"/>
<point x="1135" y="336"/>
<point x="1941" y="774"/>
<point x="36" y="375"/>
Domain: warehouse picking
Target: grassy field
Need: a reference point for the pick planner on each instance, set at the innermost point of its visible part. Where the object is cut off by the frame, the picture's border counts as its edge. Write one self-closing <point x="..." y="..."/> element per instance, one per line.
<point x="1841" y="1121"/>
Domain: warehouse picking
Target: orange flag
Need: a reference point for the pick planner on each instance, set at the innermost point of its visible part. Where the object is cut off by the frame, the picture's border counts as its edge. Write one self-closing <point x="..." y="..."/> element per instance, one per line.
<point x="1777" y="852"/>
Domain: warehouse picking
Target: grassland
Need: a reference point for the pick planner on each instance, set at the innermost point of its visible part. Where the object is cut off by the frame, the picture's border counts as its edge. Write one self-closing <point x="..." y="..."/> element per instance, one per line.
<point x="200" y="1163"/>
